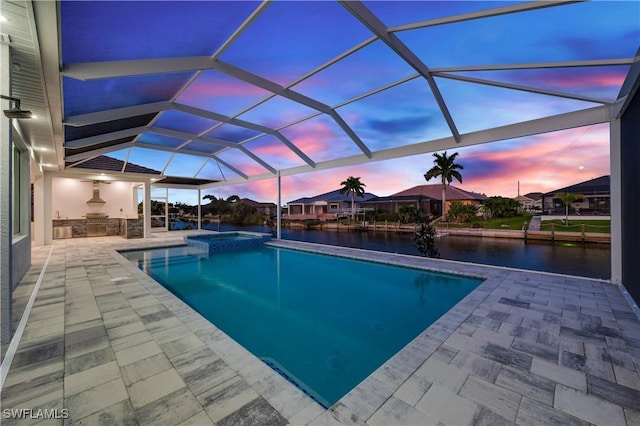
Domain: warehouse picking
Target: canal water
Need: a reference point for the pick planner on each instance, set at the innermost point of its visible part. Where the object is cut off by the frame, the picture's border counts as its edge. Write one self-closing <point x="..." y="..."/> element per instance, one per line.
<point x="589" y="260"/>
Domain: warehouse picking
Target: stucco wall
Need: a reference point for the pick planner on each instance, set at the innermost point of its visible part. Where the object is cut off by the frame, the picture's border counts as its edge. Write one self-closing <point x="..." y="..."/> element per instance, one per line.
<point x="70" y="199"/>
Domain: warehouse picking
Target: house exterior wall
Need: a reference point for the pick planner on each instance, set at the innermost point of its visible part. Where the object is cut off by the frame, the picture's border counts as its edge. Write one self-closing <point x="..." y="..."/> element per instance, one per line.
<point x="5" y="207"/>
<point x="294" y="208"/>
<point x="21" y="256"/>
<point x="629" y="159"/>
<point x="590" y="205"/>
<point x="15" y="208"/>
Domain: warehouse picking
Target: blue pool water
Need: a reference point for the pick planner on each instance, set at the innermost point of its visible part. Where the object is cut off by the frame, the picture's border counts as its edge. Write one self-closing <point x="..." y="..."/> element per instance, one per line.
<point x="323" y="322"/>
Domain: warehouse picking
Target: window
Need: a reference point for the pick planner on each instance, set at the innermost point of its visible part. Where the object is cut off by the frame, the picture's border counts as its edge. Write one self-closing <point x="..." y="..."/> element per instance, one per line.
<point x="16" y="186"/>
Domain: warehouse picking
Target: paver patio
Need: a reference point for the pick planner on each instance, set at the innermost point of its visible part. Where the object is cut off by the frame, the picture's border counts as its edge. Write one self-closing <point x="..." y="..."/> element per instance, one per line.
<point x="112" y="346"/>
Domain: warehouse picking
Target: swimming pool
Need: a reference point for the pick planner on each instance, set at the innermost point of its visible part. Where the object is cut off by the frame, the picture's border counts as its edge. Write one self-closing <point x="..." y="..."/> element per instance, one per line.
<point x="323" y="322"/>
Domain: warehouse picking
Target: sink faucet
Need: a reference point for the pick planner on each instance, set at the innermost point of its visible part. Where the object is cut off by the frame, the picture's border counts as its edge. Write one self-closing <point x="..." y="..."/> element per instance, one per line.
<point x="57" y="214"/>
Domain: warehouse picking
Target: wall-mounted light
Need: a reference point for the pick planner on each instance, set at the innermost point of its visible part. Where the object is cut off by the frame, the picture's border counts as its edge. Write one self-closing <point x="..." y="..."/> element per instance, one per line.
<point x="15" y="112"/>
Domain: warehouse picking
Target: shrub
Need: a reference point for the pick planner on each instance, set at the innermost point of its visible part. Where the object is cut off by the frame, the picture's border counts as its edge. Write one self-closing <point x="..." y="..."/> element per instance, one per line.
<point x="391" y="217"/>
<point x="500" y="207"/>
<point x="311" y="223"/>
<point x="407" y="213"/>
<point x="460" y="212"/>
<point x="425" y="240"/>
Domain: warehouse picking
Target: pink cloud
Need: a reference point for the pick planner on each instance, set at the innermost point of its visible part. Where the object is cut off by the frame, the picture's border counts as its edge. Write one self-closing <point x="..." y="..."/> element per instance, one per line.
<point x="586" y="77"/>
<point x="242" y="162"/>
<point x="312" y="137"/>
<point x="274" y="148"/>
<point x="541" y="163"/>
<point x="218" y="88"/>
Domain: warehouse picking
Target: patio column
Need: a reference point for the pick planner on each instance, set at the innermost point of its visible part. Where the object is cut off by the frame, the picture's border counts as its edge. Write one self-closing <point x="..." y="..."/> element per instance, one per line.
<point x="199" y="210"/>
<point x="47" y="217"/>
<point x="146" y="209"/>
<point x="38" y="211"/>
<point x="279" y="210"/>
<point x="615" y="202"/>
<point x="6" y="232"/>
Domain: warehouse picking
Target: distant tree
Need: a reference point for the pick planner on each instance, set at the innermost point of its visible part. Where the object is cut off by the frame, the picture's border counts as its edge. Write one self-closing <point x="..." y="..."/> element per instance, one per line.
<point x="460" y="212"/>
<point x="187" y="209"/>
<point x="217" y="206"/>
<point x="353" y="186"/>
<point x="407" y="213"/>
<point x="242" y="214"/>
<point x="500" y="206"/>
<point x="445" y="168"/>
<point x="157" y="208"/>
<point x="567" y="199"/>
<point x="233" y="199"/>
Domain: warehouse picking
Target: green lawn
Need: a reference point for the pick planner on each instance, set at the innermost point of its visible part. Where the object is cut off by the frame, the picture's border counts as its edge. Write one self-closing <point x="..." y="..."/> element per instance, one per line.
<point x="602" y="226"/>
<point x="512" y="223"/>
<point x="517" y="222"/>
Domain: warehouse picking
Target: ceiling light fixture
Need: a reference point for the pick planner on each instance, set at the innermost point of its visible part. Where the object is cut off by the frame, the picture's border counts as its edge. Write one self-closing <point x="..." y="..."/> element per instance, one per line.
<point x="3" y="19"/>
<point x="15" y="112"/>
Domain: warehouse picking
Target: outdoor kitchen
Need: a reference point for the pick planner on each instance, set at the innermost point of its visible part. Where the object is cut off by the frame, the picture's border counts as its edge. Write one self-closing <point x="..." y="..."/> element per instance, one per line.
<point x="110" y="210"/>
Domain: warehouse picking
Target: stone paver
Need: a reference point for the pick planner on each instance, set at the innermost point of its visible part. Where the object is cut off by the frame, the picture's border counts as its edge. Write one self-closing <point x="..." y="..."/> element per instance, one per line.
<point x="498" y="399"/>
<point x="155" y="387"/>
<point x="534" y="413"/>
<point x="87" y="379"/>
<point x="177" y="407"/>
<point x="397" y="412"/>
<point x="448" y="407"/>
<point x="588" y="407"/>
<point x="95" y="399"/>
<point x="112" y="346"/>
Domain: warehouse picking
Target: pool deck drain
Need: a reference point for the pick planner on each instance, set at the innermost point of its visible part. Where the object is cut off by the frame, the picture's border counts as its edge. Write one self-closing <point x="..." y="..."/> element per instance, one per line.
<point x="109" y="344"/>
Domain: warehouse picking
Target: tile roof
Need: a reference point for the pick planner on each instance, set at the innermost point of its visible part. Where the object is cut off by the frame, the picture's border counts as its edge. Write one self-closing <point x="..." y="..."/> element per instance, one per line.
<point x="103" y="162"/>
<point x="398" y="198"/>
<point x="435" y="191"/>
<point x="597" y="186"/>
<point x="174" y="180"/>
<point x="523" y="198"/>
<point x="253" y="203"/>
<point x="534" y="195"/>
<point x="333" y="196"/>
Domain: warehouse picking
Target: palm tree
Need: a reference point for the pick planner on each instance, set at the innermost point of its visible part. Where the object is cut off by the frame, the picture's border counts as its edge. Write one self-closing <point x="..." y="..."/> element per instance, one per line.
<point x="447" y="169"/>
<point x="567" y="199"/>
<point x="355" y="187"/>
<point x="233" y="199"/>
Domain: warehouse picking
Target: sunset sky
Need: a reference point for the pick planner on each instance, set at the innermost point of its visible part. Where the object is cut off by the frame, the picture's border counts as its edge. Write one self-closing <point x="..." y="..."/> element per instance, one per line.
<point x="378" y="94"/>
<point x="541" y="163"/>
